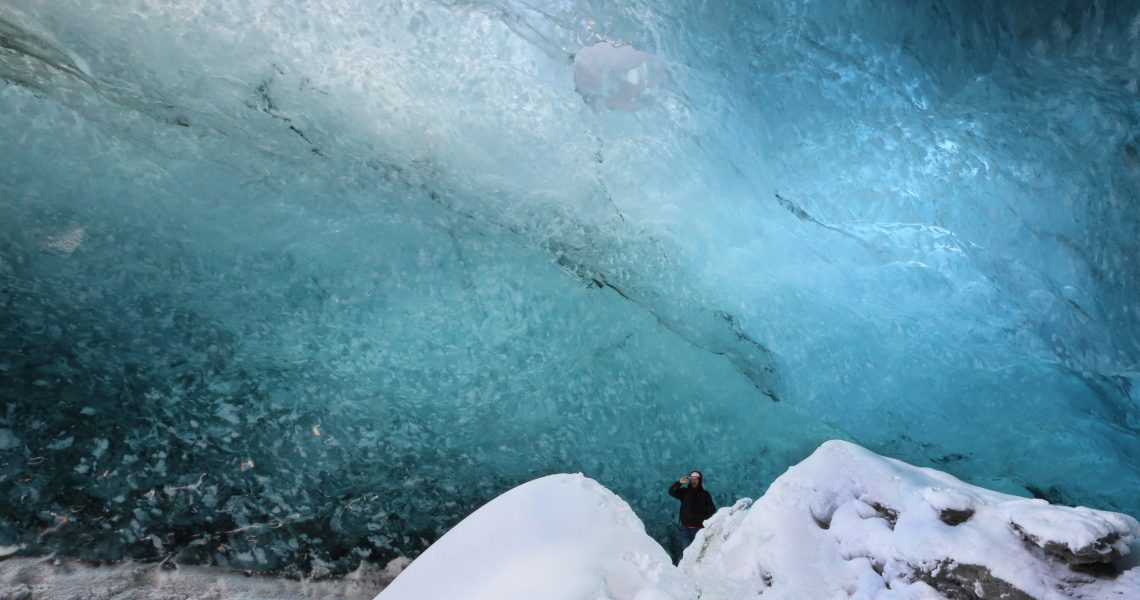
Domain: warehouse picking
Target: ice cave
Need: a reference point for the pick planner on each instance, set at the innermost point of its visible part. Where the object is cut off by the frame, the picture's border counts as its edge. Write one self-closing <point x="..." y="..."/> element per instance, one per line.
<point x="291" y="286"/>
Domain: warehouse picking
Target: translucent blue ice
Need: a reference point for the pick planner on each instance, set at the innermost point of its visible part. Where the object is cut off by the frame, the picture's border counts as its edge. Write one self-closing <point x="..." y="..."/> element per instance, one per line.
<point x="292" y="284"/>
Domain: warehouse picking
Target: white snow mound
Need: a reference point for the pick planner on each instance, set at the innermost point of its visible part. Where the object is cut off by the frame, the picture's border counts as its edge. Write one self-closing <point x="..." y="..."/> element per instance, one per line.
<point x="844" y="523"/>
<point x="561" y="537"/>
<point x="847" y="523"/>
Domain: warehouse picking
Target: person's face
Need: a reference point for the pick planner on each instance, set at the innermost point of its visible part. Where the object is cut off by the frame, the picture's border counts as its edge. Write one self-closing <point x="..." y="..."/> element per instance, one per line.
<point x="694" y="481"/>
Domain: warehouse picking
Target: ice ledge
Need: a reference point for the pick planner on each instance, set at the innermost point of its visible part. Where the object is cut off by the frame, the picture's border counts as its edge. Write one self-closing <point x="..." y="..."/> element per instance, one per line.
<point x="845" y="522"/>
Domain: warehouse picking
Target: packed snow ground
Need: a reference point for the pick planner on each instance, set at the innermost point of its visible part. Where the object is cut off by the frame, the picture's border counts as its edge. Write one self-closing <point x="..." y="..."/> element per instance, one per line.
<point x="844" y="523"/>
<point x="49" y="578"/>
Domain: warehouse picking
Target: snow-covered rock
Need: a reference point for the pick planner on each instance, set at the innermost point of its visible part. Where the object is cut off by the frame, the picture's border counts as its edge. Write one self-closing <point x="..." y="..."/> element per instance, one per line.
<point x="849" y="523"/>
<point x="844" y="523"/>
<point x="561" y="537"/>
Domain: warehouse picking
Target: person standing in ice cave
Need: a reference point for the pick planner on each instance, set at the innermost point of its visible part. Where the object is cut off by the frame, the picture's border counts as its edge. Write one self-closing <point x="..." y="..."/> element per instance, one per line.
<point x="696" y="506"/>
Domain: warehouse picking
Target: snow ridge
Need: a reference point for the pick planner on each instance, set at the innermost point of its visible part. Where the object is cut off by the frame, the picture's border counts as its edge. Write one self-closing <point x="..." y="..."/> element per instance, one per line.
<point x="847" y="522"/>
<point x="844" y="523"/>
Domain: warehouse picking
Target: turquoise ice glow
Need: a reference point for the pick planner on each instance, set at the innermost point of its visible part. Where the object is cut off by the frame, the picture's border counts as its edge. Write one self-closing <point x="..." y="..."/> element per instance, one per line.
<point x="285" y="285"/>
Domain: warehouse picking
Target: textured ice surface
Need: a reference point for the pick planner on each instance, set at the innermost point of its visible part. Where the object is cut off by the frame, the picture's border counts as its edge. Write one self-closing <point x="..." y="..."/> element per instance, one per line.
<point x="288" y="284"/>
<point x="848" y="523"/>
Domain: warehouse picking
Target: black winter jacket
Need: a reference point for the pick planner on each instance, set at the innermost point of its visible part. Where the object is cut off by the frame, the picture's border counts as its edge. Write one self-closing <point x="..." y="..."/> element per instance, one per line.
<point x="696" y="504"/>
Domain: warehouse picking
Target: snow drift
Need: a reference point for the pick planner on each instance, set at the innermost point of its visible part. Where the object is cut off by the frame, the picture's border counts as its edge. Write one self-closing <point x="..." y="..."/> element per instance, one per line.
<point x="844" y="523"/>
<point x="562" y="537"/>
<point x="847" y="522"/>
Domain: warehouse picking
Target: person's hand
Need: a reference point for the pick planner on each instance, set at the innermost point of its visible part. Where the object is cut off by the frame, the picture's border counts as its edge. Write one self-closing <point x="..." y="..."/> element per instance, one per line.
<point x="684" y="479"/>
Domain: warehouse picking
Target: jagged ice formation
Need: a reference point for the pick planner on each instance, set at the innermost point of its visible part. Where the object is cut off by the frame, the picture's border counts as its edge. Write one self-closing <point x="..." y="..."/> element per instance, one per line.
<point x="285" y="285"/>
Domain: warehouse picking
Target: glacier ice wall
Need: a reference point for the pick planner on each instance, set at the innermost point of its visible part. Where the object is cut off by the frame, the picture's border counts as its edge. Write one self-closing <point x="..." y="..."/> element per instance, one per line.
<point x="291" y="284"/>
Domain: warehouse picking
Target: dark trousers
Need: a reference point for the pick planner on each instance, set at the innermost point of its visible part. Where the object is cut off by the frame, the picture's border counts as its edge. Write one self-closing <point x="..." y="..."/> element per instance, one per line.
<point x="684" y="537"/>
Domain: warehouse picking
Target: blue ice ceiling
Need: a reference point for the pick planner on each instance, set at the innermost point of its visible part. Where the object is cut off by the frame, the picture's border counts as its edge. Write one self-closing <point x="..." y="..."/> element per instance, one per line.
<point x="285" y="285"/>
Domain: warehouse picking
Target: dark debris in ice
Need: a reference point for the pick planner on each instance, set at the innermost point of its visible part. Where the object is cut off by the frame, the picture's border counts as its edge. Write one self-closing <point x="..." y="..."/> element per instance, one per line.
<point x="888" y="514"/>
<point x="264" y="102"/>
<point x="748" y="356"/>
<point x="1099" y="551"/>
<point x="967" y="582"/>
<point x="954" y="517"/>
